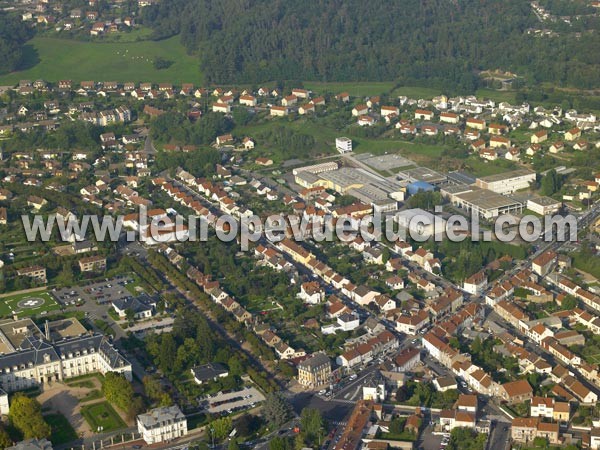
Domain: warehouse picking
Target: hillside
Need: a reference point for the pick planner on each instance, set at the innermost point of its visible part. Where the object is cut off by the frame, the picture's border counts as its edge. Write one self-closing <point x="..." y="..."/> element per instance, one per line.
<point x="439" y="42"/>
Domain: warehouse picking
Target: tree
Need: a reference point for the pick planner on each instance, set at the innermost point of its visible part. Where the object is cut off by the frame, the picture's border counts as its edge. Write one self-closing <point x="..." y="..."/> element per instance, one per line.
<point x="280" y="443"/>
<point x="466" y="439"/>
<point x="161" y="63"/>
<point x="569" y="303"/>
<point x="129" y="315"/>
<point x="312" y="426"/>
<point x="5" y="440"/>
<point x="119" y="392"/>
<point x="155" y="391"/>
<point x="168" y="353"/>
<point x="397" y="425"/>
<point x="220" y="428"/>
<point x="551" y="183"/>
<point x="276" y="409"/>
<point x="233" y="445"/>
<point x="26" y="415"/>
<point x="425" y="200"/>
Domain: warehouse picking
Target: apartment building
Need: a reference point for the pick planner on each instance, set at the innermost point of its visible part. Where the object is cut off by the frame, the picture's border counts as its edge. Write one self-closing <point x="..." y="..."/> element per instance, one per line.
<point x="315" y="371"/>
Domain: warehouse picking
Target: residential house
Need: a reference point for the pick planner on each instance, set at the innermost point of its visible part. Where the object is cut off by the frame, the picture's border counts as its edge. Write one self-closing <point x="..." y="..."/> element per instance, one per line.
<point x="515" y="392"/>
<point x="423" y="114"/>
<point x="209" y="372"/>
<point x="162" y="424"/>
<point x="544" y="263"/>
<point x="573" y="134"/>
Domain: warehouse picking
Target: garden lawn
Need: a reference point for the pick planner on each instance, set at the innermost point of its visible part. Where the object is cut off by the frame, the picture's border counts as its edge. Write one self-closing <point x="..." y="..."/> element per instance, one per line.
<point x="102" y="415"/>
<point x="62" y="431"/>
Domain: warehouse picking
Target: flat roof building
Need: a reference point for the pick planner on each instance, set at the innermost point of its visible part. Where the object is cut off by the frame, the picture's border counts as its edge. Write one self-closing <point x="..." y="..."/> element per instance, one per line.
<point x="543" y="205"/>
<point x="423" y="174"/>
<point x="343" y="145"/>
<point x="507" y="182"/>
<point x="372" y="189"/>
<point x="487" y="204"/>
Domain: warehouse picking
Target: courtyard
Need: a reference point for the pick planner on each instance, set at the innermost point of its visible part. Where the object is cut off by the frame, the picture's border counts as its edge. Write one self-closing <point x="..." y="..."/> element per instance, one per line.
<point x="82" y="404"/>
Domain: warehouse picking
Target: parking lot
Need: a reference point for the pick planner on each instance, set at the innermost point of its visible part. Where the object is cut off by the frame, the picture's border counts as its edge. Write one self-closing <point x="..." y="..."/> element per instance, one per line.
<point x="430" y="441"/>
<point x="233" y="401"/>
<point x="99" y="292"/>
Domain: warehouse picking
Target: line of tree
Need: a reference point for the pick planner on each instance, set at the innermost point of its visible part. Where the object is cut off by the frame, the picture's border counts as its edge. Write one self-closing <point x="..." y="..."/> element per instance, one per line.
<point x="119" y="392"/>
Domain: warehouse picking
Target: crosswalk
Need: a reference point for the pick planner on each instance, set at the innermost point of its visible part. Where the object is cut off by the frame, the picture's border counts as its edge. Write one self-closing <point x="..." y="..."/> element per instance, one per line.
<point x="339" y="423"/>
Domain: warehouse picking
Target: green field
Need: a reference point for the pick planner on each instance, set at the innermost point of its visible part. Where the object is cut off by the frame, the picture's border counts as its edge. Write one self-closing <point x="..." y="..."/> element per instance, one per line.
<point x="325" y="141"/>
<point x="102" y="415"/>
<point x="417" y="92"/>
<point x="497" y="96"/>
<point x="355" y="89"/>
<point x="55" y="59"/>
<point x="10" y="305"/>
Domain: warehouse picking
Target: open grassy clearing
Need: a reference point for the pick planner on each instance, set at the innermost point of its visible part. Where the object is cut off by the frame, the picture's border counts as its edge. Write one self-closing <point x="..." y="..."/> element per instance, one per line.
<point x="355" y="89"/>
<point x="54" y="59"/>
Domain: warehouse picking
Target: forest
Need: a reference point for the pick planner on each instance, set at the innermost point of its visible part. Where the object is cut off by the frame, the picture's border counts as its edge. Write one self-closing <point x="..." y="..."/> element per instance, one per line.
<point x="438" y="42"/>
<point x="13" y="34"/>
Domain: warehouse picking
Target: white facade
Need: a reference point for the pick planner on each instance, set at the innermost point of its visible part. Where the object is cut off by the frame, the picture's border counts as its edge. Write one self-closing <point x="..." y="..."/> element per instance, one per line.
<point x="507" y="183"/>
<point x="43" y="362"/>
<point x="375" y="393"/>
<point x="4" y="407"/>
<point x="343" y="145"/>
<point x="162" y="424"/>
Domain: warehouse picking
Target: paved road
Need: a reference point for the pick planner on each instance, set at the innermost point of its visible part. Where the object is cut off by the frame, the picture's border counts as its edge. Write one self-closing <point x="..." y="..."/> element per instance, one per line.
<point x="499" y="436"/>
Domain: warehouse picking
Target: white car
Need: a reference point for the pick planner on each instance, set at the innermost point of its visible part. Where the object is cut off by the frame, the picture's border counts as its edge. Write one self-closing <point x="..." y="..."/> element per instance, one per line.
<point x="322" y="392"/>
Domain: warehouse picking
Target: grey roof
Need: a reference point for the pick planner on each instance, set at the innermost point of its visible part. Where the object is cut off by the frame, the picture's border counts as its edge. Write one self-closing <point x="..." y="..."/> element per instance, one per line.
<point x="347" y="317"/>
<point x="112" y="355"/>
<point x="209" y="371"/>
<point x="37" y="351"/>
<point x="32" y="444"/>
<point x="461" y="178"/>
<point x="446" y="381"/>
<point x="82" y="245"/>
<point x="133" y="303"/>
<point x="372" y="324"/>
<point x="314" y="362"/>
<point x="158" y="416"/>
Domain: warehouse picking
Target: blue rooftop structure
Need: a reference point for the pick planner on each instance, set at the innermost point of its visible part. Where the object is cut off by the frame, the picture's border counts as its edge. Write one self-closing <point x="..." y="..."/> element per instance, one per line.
<point x="417" y="186"/>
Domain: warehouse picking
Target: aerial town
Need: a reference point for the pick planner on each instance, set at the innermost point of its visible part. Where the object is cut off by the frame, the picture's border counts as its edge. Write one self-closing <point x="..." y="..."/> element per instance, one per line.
<point x="153" y="339"/>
